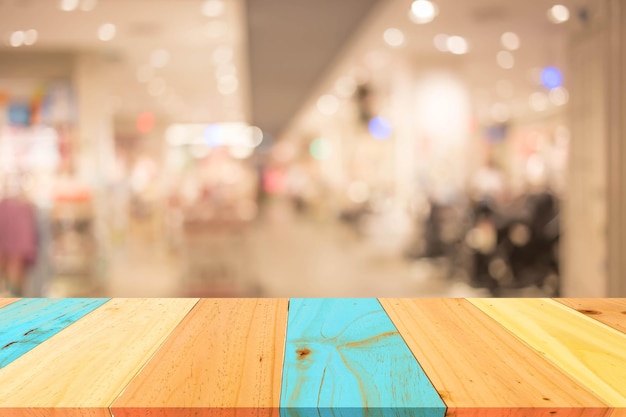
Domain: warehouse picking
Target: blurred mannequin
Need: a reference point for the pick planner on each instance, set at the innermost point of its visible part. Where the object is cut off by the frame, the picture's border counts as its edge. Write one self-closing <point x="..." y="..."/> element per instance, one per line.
<point x="18" y="244"/>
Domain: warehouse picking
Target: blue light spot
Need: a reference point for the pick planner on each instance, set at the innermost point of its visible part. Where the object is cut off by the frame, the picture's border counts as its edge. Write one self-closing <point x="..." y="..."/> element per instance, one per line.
<point x="551" y="77"/>
<point x="380" y="128"/>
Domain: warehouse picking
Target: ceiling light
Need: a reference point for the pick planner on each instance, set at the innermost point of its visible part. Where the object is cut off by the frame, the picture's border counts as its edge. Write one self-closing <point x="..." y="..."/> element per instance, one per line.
<point x="17" y="39"/>
<point x="159" y="58"/>
<point x="30" y="37"/>
<point x="394" y="37"/>
<point x="423" y="11"/>
<point x="213" y="8"/>
<point x="510" y="41"/>
<point x="68" y="5"/>
<point x="505" y="59"/>
<point x="457" y="45"/>
<point x="106" y="32"/>
<point x="441" y="42"/>
<point x="558" y="14"/>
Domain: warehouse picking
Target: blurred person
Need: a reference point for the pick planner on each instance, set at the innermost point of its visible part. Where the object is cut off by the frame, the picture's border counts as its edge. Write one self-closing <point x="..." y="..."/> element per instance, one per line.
<point x="18" y="236"/>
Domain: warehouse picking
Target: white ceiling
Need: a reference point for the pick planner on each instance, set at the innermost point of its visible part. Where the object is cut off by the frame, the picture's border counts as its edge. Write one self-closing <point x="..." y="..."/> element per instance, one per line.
<point x="177" y="26"/>
<point x="286" y="51"/>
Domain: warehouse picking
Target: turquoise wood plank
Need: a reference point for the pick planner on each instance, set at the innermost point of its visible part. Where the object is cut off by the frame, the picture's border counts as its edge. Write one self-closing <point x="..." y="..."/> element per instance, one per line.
<point x="344" y="357"/>
<point x="26" y="323"/>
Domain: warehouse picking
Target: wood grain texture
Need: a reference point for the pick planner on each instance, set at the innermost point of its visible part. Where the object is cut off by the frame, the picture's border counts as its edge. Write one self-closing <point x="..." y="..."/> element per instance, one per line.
<point x="480" y="369"/>
<point x="344" y="357"/>
<point x="610" y="311"/>
<point x="225" y="359"/>
<point x="592" y="353"/>
<point x="89" y="363"/>
<point x="619" y="412"/>
<point x="28" y="322"/>
<point x="7" y="301"/>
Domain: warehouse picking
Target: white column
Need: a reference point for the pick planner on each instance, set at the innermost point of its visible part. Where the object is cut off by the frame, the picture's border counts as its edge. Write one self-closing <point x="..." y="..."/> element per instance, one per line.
<point x="95" y="121"/>
<point x="594" y="215"/>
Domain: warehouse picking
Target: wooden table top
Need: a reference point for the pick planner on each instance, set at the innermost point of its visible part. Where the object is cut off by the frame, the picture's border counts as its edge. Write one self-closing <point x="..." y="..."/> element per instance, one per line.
<point x="311" y="357"/>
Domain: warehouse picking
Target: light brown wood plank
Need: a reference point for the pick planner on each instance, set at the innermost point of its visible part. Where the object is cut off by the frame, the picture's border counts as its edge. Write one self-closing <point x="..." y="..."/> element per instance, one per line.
<point x="480" y="369"/>
<point x="610" y="311"/>
<point x="225" y="358"/>
<point x="89" y="363"/>
<point x="592" y="353"/>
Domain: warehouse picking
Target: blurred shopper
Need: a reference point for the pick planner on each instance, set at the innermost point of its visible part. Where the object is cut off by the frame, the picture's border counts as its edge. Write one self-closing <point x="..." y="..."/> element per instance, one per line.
<point x="18" y="236"/>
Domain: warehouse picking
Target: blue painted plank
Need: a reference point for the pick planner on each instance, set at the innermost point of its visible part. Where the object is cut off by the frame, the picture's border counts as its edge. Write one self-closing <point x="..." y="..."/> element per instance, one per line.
<point x="26" y="323"/>
<point x="344" y="357"/>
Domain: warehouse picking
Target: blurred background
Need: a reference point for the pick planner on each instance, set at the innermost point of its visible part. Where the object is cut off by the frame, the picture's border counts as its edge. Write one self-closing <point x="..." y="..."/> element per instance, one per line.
<point x="290" y="148"/>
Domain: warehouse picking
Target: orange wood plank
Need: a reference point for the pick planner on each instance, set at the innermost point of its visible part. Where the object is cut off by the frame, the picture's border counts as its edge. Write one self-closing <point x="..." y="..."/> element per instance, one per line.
<point x="225" y="358"/>
<point x="480" y="369"/>
<point x="610" y="311"/>
<point x="7" y="301"/>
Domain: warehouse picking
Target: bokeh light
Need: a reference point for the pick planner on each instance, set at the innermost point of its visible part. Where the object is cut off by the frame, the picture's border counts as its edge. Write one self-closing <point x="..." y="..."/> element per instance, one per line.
<point x="345" y="86"/>
<point x="441" y="42"/>
<point x="558" y="14"/>
<point x="423" y="11"/>
<point x="321" y="149"/>
<point x="510" y="41"/>
<point x="538" y="101"/>
<point x="159" y="58"/>
<point x="457" y="45"/>
<point x="106" y="32"/>
<point x="505" y="59"/>
<point x="559" y="96"/>
<point x="328" y="104"/>
<point x="551" y="77"/>
<point x="213" y="8"/>
<point x="394" y="37"/>
<point x="380" y="128"/>
<point x="145" y="122"/>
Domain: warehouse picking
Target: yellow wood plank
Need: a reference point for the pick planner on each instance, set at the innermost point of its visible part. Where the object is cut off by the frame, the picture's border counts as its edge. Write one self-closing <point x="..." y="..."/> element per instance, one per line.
<point x="592" y="353"/>
<point x="610" y="311"/>
<point x="225" y="358"/>
<point x="89" y="363"/>
<point x="480" y="369"/>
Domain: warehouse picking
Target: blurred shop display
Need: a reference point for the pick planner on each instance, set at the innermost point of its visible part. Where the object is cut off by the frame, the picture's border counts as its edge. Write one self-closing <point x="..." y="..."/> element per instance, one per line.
<point x="36" y="151"/>
<point x="212" y="194"/>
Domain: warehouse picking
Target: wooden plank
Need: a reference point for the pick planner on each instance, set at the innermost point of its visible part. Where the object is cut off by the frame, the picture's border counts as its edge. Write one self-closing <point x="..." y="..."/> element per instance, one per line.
<point x="610" y="311"/>
<point x="28" y="322"/>
<point x="480" y="369"/>
<point x="7" y="301"/>
<point x="88" y="364"/>
<point x="224" y="359"/>
<point x="592" y="353"/>
<point x="345" y="357"/>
